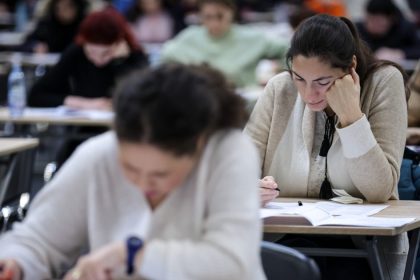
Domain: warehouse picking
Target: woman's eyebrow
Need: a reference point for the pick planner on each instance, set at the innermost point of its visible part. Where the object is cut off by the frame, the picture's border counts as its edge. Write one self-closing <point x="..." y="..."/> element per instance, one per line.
<point x="316" y="80"/>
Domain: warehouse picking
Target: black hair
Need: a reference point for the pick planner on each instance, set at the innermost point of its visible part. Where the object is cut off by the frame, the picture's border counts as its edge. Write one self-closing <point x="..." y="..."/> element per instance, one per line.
<point x="383" y="7"/>
<point x="135" y="11"/>
<point x="334" y="40"/>
<point x="172" y="105"/>
<point x="227" y="3"/>
<point x="81" y="8"/>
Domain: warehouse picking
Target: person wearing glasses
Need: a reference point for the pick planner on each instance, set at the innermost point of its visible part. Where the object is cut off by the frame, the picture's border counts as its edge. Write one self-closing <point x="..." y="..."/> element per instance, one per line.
<point x="336" y="120"/>
<point x="169" y="194"/>
<point x="233" y="49"/>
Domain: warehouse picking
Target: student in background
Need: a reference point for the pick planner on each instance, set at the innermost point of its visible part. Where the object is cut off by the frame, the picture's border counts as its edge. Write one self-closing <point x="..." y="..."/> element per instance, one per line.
<point x="151" y="21"/>
<point x="388" y="33"/>
<point x="176" y="172"/>
<point x="235" y="50"/>
<point x="58" y="28"/>
<point x="336" y="120"/>
<point x="105" y="50"/>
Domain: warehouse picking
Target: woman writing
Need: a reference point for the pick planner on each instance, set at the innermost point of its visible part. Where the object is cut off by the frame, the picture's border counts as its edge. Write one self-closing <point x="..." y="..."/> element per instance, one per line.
<point x="105" y="50"/>
<point x="167" y="174"/>
<point x="336" y="120"/>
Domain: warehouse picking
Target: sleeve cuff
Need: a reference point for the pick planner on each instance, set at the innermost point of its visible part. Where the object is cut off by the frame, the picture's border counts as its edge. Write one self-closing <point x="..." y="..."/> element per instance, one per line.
<point x="153" y="265"/>
<point x="357" y="139"/>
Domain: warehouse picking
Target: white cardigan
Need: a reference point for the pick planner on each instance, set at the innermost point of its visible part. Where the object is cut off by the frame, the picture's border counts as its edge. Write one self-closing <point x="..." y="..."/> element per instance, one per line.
<point x="208" y="228"/>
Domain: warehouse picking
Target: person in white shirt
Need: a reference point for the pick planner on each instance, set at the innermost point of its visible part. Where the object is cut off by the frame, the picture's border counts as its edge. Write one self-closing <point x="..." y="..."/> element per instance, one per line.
<point x="176" y="174"/>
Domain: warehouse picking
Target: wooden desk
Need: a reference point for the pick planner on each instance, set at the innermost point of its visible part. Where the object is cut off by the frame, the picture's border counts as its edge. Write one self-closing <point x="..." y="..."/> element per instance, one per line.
<point x="51" y="119"/>
<point x="400" y="209"/>
<point x="30" y="59"/>
<point x="10" y="148"/>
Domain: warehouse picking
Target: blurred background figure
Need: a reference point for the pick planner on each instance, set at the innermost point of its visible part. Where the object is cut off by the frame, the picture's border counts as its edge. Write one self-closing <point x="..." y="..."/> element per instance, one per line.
<point x="415" y="9"/>
<point x="330" y="7"/>
<point x="235" y="50"/>
<point x="389" y="34"/>
<point x="7" y="9"/>
<point x="105" y="50"/>
<point x="151" y="21"/>
<point x="57" y="29"/>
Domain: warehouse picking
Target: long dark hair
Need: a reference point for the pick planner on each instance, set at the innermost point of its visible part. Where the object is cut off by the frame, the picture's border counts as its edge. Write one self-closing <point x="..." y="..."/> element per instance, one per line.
<point x="335" y="40"/>
<point x="172" y="105"/>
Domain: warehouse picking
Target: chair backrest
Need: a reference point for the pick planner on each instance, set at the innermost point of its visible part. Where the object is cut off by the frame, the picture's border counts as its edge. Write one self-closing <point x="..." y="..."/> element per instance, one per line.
<point x="284" y="263"/>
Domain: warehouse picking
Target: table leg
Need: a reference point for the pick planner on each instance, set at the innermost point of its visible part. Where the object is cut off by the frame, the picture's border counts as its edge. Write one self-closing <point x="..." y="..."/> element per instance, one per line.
<point x="412" y="254"/>
<point x="374" y="258"/>
<point x="4" y="184"/>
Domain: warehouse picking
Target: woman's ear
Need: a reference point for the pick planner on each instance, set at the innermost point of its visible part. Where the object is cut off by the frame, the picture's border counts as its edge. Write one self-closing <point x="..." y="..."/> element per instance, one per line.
<point x="354" y="62"/>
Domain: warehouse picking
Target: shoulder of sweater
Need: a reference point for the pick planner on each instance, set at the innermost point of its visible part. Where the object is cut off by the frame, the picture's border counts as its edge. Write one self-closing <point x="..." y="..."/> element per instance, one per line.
<point x="384" y="76"/>
<point x="97" y="149"/>
<point x="228" y="141"/>
<point x="191" y="31"/>
<point x="280" y="83"/>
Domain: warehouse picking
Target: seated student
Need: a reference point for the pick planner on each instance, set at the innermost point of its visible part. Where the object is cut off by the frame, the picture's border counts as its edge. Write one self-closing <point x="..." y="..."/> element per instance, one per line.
<point x="105" y="51"/>
<point x="58" y="28"/>
<point x="335" y="120"/>
<point x="388" y="33"/>
<point x="151" y="21"/>
<point x="235" y="50"/>
<point x="413" y="135"/>
<point x="176" y="172"/>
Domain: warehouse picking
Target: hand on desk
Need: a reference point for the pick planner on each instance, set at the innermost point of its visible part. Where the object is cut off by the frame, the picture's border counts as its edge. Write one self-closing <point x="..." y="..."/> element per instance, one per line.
<point x="77" y="102"/>
<point x="102" y="263"/>
<point x="10" y="270"/>
<point x="268" y="190"/>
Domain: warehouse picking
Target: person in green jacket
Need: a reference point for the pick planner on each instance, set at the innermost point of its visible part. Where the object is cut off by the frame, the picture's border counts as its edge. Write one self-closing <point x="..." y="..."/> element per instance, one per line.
<point x="233" y="49"/>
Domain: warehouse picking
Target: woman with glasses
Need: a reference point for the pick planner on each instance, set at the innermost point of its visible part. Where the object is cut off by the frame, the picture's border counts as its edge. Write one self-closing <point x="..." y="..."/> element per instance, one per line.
<point x="335" y="121"/>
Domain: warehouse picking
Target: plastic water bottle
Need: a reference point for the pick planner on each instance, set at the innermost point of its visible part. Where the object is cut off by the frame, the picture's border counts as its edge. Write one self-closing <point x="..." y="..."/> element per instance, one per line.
<point x="16" y="97"/>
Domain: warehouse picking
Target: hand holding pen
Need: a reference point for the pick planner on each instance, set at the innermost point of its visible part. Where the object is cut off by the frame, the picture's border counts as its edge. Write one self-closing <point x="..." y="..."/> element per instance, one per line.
<point x="268" y="189"/>
<point x="10" y="270"/>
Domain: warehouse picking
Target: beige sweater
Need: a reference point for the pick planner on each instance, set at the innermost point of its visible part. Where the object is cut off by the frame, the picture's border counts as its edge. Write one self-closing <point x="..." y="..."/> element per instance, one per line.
<point x="208" y="228"/>
<point x="364" y="158"/>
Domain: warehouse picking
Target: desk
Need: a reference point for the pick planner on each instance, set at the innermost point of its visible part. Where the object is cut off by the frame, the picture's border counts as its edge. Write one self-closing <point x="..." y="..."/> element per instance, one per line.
<point x="10" y="148"/>
<point x="30" y="59"/>
<point x="34" y="116"/>
<point x="401" y="208"/>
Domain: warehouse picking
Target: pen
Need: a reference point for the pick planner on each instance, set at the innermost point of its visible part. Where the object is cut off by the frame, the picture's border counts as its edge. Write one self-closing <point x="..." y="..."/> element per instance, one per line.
<point x="300" y="203"/>
<point x="276" y="189"/>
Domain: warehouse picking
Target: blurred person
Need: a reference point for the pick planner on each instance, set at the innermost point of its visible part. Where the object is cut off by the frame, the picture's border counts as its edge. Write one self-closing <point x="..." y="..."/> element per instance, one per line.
<point x="151" y="21"/>
<point x="233" y="49"/>
<point x="58" y="28"/>
<point x="330" y="7"/>
<point x="105" y="51"/>
<point x="388" y="33"/>
<point x="155" y="196"/>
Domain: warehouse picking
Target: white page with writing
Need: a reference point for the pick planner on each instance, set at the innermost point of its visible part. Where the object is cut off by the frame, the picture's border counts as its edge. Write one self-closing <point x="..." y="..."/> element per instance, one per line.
<point x="338" y="209"/>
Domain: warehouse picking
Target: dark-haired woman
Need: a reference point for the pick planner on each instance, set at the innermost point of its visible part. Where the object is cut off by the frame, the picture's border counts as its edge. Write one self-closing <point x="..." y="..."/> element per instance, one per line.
<point x="176" y="172"/>
<point x="336" y="120"/>
<point x="58" y="28"/>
